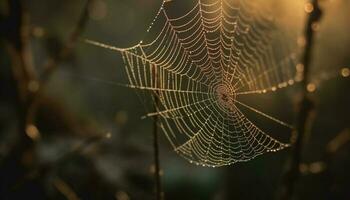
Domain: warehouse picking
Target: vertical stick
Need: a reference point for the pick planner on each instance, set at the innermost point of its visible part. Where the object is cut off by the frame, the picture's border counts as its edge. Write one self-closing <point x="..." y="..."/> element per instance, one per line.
<point x="158" y="189"/>
<point x="306" y="104"/>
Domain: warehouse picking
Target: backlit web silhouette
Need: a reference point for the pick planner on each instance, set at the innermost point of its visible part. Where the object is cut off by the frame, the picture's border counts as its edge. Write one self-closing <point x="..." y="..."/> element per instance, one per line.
<point x="198" y="66"/>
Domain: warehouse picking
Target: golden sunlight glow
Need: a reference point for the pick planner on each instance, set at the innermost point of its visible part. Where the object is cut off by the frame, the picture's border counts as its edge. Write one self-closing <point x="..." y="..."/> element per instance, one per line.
<point x="38" y="31"/>
<point x="291" y="82"/>
<point x="300" y="67"/>
<point x="121" y="195"/>
<point x="311" y="87"/>
<point x="308" y="7"/>
<point x="33" y="86"/>
<point x="32" y="132"/>
<point x="345" y="72"/>
<point x="301" y="41"/>
<point x="315" y="26"/>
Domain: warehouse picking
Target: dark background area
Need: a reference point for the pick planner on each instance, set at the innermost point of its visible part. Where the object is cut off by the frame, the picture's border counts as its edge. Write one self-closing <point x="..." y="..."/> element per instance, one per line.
<point x="68" y="132"/>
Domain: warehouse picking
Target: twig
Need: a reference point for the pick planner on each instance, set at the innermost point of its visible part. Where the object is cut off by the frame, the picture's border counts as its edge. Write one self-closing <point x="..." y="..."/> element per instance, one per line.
<point x="27" y="102"/>
<point x="65" y="189"/>
<point x="16" y="45"/>
<point x="52" y="63"/>
<point x="306" y="104"/>
<point x="158" y="188"/>
<point x="339" y="141"/>
<point x="42" y="169"/>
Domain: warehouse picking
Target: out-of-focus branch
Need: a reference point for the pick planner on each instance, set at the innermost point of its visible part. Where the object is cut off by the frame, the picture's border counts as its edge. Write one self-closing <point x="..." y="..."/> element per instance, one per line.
<point x="333" y="146"/>
<point x="305" y="106"/>
<point x="158" y="185"/>
<point x="80" y="148"/>
<point x="339" y="141"/>
<point x="52" y="63"/>
<point x="29" y="88"/>
<point x="65" y="189"/>
<point x="16" y="41"/>
<point x="70" y="44"/>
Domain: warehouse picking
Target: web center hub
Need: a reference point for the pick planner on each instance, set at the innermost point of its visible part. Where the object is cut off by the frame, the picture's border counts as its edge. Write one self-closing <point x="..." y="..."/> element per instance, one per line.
<point x="225" y="96"/>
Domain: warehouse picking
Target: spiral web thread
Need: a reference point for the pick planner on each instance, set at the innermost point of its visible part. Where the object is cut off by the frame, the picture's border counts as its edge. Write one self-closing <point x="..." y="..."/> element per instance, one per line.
<point x="199" y="65"/>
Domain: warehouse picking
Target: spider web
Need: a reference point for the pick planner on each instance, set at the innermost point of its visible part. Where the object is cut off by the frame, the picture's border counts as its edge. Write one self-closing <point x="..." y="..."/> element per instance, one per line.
<point x="198" y="66"/>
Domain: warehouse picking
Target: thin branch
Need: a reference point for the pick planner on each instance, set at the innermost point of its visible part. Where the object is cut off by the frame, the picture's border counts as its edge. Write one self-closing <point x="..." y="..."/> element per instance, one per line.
<point x="27" y="101"/>
<point x="75" y="150"/>
<point x="52" y="63"/>
<point x="158" y="186"/>
<point x="65" y="189"/>
<point x="306" y="105"/>
<point x="16" y="40"/>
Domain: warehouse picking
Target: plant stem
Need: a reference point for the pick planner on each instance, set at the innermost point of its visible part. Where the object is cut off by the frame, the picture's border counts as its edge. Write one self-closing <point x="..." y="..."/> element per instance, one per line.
<point x="306" y="106"/>
<point x="158" y="186"/>
<point x="156" y="160"/>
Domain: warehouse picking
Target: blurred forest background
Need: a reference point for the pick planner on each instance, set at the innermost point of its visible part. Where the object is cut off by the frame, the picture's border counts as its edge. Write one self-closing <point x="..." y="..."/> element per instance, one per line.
<point x="68" y="132"/>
